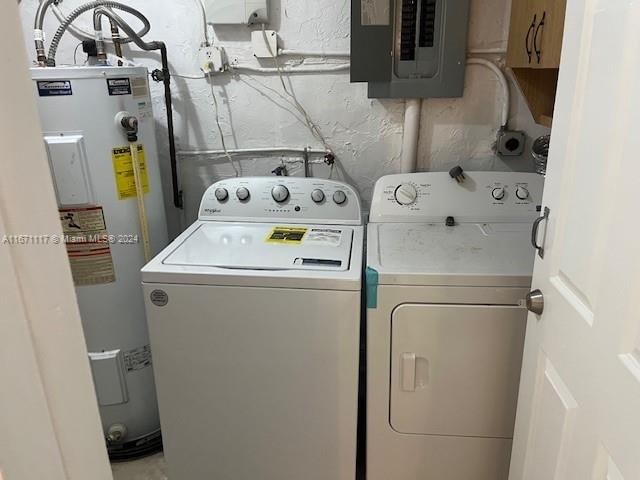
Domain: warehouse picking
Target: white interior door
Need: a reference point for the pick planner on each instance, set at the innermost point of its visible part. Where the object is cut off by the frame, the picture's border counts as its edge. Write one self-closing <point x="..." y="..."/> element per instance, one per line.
<point x="48" y="411"/>
<point x="579" y="404"/>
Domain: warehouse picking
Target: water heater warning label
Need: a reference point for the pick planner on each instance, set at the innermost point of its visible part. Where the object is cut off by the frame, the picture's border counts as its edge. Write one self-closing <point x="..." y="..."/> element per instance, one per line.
<point x="123" y="170"/>
<point x="138" y="358"/>
<point x="87" y="246"/>
<point x="119" y="86"/>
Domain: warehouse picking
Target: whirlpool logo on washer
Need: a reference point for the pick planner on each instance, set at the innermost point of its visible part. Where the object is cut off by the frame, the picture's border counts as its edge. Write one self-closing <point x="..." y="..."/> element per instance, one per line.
<point x="159" y="298"/>
<point x="212" y="210"/>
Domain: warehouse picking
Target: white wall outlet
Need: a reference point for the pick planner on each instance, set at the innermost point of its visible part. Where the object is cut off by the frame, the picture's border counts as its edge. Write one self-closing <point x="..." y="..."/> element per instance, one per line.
<point x="212" y="59"/>
<point x="264" y="43"/>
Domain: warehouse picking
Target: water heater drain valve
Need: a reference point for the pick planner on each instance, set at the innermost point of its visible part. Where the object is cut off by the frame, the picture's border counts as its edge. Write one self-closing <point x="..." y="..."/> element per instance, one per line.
<point x="116" y="433"/>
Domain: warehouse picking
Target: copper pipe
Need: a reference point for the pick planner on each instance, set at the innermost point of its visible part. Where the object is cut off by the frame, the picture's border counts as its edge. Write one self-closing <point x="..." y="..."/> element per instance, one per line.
<point x="115" y="37"/>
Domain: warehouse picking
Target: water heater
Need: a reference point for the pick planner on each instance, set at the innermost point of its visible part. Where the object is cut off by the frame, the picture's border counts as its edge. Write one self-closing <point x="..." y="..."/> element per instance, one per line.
<point x="92" y="170"/>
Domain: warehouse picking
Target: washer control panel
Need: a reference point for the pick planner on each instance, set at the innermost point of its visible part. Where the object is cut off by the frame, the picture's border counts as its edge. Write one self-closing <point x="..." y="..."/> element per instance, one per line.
<point x="434" y="196"/>
<point x="285" y="199"/>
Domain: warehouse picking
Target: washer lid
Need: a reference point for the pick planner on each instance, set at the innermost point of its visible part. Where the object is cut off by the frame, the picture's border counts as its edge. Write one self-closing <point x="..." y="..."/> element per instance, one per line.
<point x="495" y="254"/>
<point x="243" y="246"/>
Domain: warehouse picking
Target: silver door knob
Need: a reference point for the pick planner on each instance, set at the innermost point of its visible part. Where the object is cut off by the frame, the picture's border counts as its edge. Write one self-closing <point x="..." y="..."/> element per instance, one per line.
<point x="535" y="302"/>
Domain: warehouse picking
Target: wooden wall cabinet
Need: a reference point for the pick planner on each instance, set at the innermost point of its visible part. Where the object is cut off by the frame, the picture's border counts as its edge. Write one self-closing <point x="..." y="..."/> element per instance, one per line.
<point x="535" y="45"/>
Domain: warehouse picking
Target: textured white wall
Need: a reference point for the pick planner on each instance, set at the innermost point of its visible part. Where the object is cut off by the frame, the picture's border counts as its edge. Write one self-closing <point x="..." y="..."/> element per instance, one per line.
<point x="366" y="134"/>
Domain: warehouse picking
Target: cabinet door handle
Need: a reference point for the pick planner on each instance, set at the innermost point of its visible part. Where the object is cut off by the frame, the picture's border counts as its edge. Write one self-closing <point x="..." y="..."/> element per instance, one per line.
<point x="529" y="32"/>
<point x="534" y="232"/>
<point x="538" y="49"/>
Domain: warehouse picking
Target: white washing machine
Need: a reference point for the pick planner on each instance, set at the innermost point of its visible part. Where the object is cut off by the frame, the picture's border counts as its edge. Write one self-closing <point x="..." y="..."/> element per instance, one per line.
<point x="254" y="316"/>
<point x="448" y="267"/>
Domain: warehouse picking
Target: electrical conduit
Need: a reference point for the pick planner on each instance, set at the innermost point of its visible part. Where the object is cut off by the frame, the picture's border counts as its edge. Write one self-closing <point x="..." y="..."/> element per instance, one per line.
<point x="502" y="79"/>
<point x="318" y="69"/>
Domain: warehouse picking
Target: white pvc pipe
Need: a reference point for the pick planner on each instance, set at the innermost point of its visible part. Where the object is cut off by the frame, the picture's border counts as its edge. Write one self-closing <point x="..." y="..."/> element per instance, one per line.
<point x="241" y="151"/>
<point x="502" y="78"/>
<point x="307" y="53"/>
<point x="409" y="158"/>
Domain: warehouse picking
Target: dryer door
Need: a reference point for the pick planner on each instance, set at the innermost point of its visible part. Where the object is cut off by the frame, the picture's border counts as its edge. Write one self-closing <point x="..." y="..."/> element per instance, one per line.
<point x="455" y="369"/>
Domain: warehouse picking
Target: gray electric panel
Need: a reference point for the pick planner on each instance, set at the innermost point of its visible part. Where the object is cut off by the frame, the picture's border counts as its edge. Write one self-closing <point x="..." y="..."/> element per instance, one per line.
<point x="409" y="48"/>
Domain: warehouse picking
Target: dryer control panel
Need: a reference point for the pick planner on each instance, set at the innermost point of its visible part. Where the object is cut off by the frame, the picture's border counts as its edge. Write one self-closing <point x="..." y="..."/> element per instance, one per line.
<point x="434" y="196"/>
<point x="281" y="199"/>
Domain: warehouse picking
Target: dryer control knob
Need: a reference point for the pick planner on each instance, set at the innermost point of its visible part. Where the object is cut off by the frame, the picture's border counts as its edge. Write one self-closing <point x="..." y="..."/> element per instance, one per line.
<point x="221" y="194"/>
<point x="317" y="195"/>
<point x="522" y="193"/>
<point x="280" y="193"/>
<point x="339" y="197"/>
<point x="243" y="194"/>
<point x="498" y="193"/>
<point x="406" y="194"/>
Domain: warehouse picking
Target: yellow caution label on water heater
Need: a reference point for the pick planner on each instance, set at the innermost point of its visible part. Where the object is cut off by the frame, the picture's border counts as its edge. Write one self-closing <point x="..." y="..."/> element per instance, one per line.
<point x="123" y="170"/>
<point x="287" y="235"/>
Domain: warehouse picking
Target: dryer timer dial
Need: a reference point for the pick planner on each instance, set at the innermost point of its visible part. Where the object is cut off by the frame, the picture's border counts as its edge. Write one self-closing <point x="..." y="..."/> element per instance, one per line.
<point x="406" y="194"/>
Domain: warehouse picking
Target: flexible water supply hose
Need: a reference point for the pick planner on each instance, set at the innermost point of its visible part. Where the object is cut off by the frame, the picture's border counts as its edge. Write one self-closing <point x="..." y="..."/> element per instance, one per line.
<point x="142" y="212"/>
<point x="55" y="41"/>
<point x="38" y="32"/>
<point x="79" y="32"/>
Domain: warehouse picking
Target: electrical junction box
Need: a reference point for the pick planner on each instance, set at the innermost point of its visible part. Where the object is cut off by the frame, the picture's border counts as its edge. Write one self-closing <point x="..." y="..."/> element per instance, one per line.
<point x="236" y="12"/>
<point x="264" y="43"/>
<point x="212" y="59"/>
<point x="409" y="48"/>
<point x="510" y="143"/>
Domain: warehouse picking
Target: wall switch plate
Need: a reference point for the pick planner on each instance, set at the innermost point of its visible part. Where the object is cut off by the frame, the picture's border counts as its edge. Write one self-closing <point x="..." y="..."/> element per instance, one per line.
<point x="211" y="59"/>
<point x="264" y="43"/>
<point x="510" y="143"/>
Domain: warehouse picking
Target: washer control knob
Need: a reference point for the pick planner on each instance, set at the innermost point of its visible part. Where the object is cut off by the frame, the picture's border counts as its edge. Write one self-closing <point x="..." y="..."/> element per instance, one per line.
<point x="406" y="194"/>
<point x="339" y="197"/>
<point x="317" y="195"/>
<point x="498" y="193"/>
<point x="221" y="194"/>
<point x="522" y="193"/>
<point x="280" y="193"/>
<point x="243" y="194"/>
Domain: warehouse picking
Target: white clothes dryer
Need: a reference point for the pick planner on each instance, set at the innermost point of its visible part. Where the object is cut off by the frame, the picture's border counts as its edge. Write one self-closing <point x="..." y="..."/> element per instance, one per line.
<point x="448" y="267"/>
